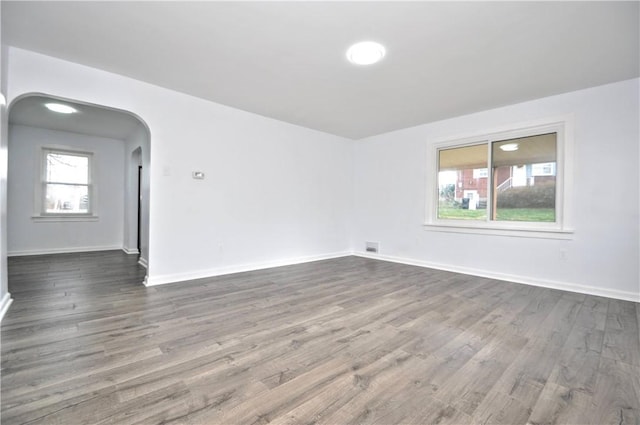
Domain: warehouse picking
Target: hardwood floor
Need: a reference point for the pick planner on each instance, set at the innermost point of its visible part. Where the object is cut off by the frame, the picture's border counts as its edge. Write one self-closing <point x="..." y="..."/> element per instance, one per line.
<point x="344" y="341"/>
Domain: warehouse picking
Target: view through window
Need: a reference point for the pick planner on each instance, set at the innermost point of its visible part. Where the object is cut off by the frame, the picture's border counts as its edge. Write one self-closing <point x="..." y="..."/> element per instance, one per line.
<point x="67" y="184"/>
<point x="502" y="180"/>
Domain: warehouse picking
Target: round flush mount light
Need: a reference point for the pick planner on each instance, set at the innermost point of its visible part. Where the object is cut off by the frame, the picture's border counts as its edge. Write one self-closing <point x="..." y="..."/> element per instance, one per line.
<point x="366" y="53"/>
<point x="60" y="108"/>
<point x="509" y="147"/>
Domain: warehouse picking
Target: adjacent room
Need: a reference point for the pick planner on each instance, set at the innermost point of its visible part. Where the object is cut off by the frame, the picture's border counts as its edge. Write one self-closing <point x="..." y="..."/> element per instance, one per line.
<point x="320" y="212"/>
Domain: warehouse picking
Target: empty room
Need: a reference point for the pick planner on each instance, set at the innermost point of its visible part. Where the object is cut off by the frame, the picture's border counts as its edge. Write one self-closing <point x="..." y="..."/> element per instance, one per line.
<point x="320" y="212"/>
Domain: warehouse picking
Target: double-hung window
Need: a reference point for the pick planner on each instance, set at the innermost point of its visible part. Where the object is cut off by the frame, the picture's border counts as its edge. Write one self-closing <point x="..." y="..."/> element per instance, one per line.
<point x="508" y="182"/>
<point x="66" y="183"/>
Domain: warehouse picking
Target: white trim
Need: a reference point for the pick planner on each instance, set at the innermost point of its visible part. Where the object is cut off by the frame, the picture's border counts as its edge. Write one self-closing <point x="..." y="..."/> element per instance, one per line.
<point x="4" y="305"/>
<point x="56" y="218"/>
<point x="182" y="277"/>
<point x="130" y="251"/>
<point x="552" y="284"/>
<point x="63" y="250"/>
<point x="511" y="231"/>
<point x="143" y="262"/>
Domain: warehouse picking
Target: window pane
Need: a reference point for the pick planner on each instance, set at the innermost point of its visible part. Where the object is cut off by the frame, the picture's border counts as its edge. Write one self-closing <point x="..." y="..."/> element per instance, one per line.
<point x="63" y="168"/>
<point x="65" y="198"/>
<point x="524" y="179"/>
<point x="462" y="183"/>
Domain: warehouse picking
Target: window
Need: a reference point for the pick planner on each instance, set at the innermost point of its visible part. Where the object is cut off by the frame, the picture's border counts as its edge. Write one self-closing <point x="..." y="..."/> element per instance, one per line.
<point x="517" y="193"/>
<point x="479" y="173"/>
<point x="509" y="180"/>
<point x="66" y="183"/>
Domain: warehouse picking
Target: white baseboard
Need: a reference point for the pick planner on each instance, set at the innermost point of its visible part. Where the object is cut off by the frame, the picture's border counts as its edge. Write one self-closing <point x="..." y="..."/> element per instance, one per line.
<point x="130" y="251"/>
<point x="143" y="262"/>
<point x="563" y="286"/>
<point x="181" y="277"/>
<point x="4" y="305"/>
<point x="64" y="250"/>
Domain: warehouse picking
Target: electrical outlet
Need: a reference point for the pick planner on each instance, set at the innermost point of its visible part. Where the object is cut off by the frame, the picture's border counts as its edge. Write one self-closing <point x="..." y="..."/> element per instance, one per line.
<point x="373" y="247"/>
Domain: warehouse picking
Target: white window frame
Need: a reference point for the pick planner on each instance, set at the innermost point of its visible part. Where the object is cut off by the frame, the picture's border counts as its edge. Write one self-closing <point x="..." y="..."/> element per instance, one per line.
<point x="40" y="214"/>
<point x="560" y="229"/>
<point x="543" y="173"/>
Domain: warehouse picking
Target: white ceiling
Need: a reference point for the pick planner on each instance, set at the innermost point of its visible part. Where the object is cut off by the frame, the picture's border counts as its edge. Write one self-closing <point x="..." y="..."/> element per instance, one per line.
<point x="91" y="120"/>
<point x="286" y="60"/>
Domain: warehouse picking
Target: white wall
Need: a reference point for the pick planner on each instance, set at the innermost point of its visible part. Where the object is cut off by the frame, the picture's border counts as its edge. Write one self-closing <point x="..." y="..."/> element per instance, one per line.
<point x="5" y="297"/>
<point x="602" y="257"/>
<point x="26" y="236"/>
<point x="274" y="193"/>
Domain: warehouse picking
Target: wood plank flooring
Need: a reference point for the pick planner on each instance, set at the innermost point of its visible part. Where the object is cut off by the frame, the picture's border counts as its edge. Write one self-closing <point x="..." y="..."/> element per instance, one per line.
<point x="343" y="341"/>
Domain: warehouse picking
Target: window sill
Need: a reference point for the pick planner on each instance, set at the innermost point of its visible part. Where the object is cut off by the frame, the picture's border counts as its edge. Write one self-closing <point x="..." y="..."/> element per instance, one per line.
<point x="63" y="218"/>
<point x="517" y="232"/>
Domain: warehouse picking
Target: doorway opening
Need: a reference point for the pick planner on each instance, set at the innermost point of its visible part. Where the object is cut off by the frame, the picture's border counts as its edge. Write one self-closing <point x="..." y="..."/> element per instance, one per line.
<point x="78" y="180"/>
<point x="136" y="205"/>
<point x="138" y="243"/>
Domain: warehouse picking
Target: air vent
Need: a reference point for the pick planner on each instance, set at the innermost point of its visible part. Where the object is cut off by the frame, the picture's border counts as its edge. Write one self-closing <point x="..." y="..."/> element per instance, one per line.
<point x="372" y="247"/>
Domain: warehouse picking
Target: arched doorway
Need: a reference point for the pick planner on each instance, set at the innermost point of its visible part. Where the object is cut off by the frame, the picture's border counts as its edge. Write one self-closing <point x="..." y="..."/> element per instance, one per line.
<point x="78" y="178"/>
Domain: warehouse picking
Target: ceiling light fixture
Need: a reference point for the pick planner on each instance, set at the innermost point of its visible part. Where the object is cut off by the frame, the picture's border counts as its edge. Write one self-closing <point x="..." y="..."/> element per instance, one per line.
<point x="509" y="147"/>
<point x="366" y="53"/>
<point x="60" y="108"/>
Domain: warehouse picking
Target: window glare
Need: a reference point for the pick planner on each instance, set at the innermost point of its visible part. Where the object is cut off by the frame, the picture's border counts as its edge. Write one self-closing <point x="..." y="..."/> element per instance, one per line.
<point x="64" y="198"/>
<point x="66" y="183"/>
<point x="67" y="168"/>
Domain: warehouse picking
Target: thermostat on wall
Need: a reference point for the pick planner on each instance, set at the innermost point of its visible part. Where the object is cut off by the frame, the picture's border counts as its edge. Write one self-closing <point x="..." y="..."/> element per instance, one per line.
<point x="198" y="175"/>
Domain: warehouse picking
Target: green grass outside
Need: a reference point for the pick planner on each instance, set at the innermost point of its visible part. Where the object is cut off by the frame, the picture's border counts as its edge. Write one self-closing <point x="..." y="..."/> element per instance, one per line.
<point x="460" y="214"/>
<point x="503" y="214"/>
<point x="527" y="214"/>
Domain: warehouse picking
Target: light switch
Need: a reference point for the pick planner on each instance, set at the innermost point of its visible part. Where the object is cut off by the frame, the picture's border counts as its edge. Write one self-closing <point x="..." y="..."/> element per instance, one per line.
<point x="198" y="175"/>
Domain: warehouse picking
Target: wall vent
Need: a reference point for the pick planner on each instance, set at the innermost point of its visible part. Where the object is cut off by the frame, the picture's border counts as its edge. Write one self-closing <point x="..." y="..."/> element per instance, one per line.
<point x="372" y="247"/>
